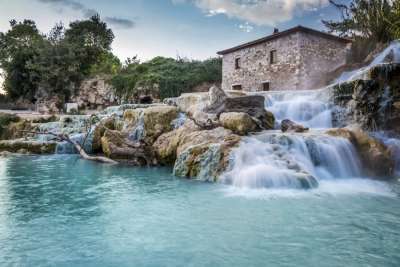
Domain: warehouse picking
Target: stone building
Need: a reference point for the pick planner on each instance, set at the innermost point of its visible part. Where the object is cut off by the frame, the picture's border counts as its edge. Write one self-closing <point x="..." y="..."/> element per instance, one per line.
<point x="294" y="59"/>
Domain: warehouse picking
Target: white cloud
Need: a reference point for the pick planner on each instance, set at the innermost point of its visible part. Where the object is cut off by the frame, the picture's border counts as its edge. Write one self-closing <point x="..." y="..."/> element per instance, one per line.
<point x="259" y="12"/>
<point x="246" y="27"/>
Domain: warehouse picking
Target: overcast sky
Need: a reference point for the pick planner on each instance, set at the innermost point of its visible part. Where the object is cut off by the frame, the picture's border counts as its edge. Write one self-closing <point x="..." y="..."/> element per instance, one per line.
<point x="188" y="28"/>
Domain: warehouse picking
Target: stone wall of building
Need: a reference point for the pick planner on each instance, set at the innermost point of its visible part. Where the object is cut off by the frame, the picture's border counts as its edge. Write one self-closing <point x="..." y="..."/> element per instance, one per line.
<point x="302" y="63"/>
<point x="319" y="56"/>
<point x="255" y="67"/>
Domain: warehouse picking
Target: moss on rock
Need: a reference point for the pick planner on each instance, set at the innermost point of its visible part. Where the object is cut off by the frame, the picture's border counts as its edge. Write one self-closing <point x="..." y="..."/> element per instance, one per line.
<point x="31" y="147"/>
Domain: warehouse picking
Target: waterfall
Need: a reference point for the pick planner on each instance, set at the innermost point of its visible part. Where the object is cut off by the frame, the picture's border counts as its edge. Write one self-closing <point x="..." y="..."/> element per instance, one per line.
<point x="393" y="144"/>
<point x="73" y="125"/>
<point x="179" y="121"/>
<point x="82" y="138"/>
<point x="311" y="108"/>
<point x="137" y="132"/>
<point x="389" y="55"/>
<point x="292" y="160"/>
<point x="274" y="159"/>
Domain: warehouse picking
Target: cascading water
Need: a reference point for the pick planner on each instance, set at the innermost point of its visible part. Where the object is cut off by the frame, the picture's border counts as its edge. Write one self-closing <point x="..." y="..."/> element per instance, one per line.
<point x="310" y="108"/>
<point x="290" y="160"/>
<point x="179" y="121"/>
<point x="393" y="144"/>
<point x="391" y="54"/>
<point x="293" y="160"/>
<point x="83" y="139"/>
<point x="75" y="126"/>
<point x="138" y="131"/>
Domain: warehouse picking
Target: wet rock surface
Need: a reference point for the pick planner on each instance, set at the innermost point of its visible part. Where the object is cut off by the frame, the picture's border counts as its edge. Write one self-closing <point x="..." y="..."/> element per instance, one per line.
<point x="291" y="126"/>
<point x="27" y="147"/>
<point x="239" y="122"/>
<point x="195" y="152"/>
<point x="375" y="156"/>
<point x="372" y="101"/>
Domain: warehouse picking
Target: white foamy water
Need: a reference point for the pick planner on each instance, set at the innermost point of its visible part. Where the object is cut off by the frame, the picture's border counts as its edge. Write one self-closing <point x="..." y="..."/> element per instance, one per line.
<point x="393" y="144"/>
<point x="351" y="186"/>
<point x="389" y="55"/>
<point x="311" y="108"/>
<point x="278" y="160"/>
<point x="276" y="164"/>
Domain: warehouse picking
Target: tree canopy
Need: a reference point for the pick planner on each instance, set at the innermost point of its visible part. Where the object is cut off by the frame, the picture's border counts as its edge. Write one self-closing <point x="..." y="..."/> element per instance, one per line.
<point x="40" y="65"/>
<point x="367" y="22"/>
<point x="165" y="77"/>
<point x="54" y="63"/>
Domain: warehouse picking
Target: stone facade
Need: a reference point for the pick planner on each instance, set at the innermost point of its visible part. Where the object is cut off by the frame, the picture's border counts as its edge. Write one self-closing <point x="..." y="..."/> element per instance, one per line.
<point x="302" y="59"/>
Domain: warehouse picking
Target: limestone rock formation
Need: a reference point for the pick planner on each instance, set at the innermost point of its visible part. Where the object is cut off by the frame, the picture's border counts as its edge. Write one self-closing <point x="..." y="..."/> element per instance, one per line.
<point x="197" y="153"/>
<point x="27" y="147"/>
<point x="148" y="123"/>
<point x="371" y="101"/>
<point x="166" y="145"/>
<point x="239" y="122"/>
<point x="99" y="130"/>
<point x="375" y="156"/>
<point x="291" y="126"/>
<point x="206" y="108"/>
<point x="188" y="102"/>
<point x="95" y="93"/>
<point x="117" y="146"/>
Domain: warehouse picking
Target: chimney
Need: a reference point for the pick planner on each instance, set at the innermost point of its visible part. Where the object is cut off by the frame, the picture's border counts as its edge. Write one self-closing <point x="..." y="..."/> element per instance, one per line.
<point x="276" y="30"/>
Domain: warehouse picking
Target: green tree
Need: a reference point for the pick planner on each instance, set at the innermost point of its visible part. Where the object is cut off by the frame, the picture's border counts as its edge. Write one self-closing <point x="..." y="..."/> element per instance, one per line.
<point x="367" y="22"/>
<point x="18" y="47"/>
<point x="370" y="19"/>
<point x="164" y="77"/>
<point x="107" y="63"/>
<point x="38" y="66"/>
<point x="90" y="39"/>
<point x="395" y="20"/>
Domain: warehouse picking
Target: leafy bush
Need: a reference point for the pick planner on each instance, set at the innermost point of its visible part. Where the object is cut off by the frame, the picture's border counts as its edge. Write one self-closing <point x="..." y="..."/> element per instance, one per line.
<point x="164" y="77"/>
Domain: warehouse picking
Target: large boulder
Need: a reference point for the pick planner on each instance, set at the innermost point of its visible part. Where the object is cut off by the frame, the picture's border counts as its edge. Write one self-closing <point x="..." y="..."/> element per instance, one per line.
<point x="152" y="121"/>
<point x="205" y="108"/>
<point x="254" y="105"/>
<point x="291" y="126"/>
<point x="167" y="144"/>
<point x="375" y="156"/>
<point x="27" y="147"/>
<point x="117" y="146"/>
<point x="204" y="155"/>
<point x="239" y="122"/>
<point x="199" y="154"/>
<point x="217" y="98"/>
<point x="189" y="102"/>
<point x="131" y="117"/>
<point x="99" y="130"/>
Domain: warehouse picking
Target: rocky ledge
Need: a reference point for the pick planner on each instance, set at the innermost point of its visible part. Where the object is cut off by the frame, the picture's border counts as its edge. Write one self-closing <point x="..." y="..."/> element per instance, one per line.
<point x="370" y="100"/>
<point x="193" y="133"/>
<point x="375" y="156"/>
